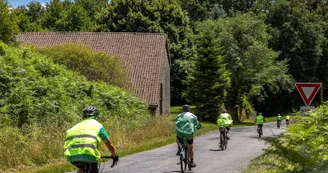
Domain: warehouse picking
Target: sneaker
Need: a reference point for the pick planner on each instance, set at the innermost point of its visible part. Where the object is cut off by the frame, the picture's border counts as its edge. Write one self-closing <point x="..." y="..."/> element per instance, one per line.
<point x="192" y="165"/>
<point x="228" y="137"/>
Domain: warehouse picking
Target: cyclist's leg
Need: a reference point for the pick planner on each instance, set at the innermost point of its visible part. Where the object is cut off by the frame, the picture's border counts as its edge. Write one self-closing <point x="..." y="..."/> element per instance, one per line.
<point x="228" y="130"/>
<point x="94" y="168"/>
<point x="179" y="143"/>
<point x="191" y="151"/>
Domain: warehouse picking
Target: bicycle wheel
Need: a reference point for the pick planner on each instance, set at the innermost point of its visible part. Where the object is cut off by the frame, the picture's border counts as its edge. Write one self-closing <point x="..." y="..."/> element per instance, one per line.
<point x="186" y="157"/>
<point x="181" y="162"/>
<point x="225" y="139"/>
<point x="260" y="132"/>
<point x="221" y="141"/>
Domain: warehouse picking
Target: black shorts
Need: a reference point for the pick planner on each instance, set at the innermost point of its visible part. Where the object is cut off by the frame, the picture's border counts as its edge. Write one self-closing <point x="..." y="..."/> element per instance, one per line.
<point x="189" y="141"/>
<point x="260" y="125"/>
<point x="89" y="167"/>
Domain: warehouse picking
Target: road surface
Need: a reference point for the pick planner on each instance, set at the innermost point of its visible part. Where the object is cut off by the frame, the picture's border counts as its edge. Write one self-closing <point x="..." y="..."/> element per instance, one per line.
<point x="243" y="146"/>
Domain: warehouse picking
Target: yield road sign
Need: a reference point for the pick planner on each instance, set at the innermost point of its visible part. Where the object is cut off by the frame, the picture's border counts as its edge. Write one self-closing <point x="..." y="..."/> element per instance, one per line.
<point x="307" y="91"/>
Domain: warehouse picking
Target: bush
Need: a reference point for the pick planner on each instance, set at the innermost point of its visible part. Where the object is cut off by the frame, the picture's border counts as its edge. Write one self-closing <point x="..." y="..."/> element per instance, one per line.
<point x="40" y="100"/>
<point x="94" y="65"/>
<point x="302" y="149"/>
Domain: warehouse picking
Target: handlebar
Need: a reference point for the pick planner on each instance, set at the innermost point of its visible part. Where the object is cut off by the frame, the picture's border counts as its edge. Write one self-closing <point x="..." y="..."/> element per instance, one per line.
<point x="115" y="160"/>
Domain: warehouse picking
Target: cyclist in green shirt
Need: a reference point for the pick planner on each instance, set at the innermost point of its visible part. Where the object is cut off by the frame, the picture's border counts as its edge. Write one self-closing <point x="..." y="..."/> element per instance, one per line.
<point x="82" y="141"/>
<point x="259" y="121"/>
<point x="225" y="120"/>
<point x="278" y="121"/>
<point x="186" y="125"/>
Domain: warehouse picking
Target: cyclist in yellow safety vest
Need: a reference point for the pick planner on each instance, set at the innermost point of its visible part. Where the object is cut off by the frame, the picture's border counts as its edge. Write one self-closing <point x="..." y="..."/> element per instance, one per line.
<point x="259" y="121"/>
<point x="287" y="119"/>
<point x="82" y="142"/>
<point x="225" y="120"/>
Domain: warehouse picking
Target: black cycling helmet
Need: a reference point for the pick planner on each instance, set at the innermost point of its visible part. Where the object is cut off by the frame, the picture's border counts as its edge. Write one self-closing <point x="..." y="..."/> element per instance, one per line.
<point x="185" y="108"/>
<point x="90" y="111"/>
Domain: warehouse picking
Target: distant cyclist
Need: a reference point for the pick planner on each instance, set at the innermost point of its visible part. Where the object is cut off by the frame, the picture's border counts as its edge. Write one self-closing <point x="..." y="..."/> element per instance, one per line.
<point x="82" y="141"/>
<point x="186" y="125"/>
<point x="287" y="120"/>
<point x="225" y="120"/>
<point x="259" y="121"/>
<point x="278" y="120"/>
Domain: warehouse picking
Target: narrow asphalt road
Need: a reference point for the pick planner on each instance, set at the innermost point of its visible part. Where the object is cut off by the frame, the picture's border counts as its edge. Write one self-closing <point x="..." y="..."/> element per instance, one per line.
<point x="243" y="146"/>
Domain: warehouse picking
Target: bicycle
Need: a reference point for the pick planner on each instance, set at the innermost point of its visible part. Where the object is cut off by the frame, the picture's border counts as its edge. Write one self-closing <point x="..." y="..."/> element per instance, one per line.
<point x="184" y="156"/>
<point x="223" y="138"/>
<point x="260" y="131"/>
<point x="83" y="168"/>
<point x="278" y="124"/>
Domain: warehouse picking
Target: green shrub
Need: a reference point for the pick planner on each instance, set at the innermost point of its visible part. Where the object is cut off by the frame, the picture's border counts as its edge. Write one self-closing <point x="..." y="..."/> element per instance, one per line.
<point x="94" y="65"/>
<point x="40" y="100"/>
<point x="303" y="148"/>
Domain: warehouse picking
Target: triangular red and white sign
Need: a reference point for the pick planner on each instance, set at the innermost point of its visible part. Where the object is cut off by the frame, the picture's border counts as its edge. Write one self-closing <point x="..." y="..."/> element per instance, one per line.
<point x="308" y="91"/>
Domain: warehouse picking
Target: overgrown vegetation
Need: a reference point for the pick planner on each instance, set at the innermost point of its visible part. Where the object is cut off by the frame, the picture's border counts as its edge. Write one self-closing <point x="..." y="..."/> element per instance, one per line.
<point x="303" y="149"/>
<point x="39" y="100"/>
<point x="94" y="66"/>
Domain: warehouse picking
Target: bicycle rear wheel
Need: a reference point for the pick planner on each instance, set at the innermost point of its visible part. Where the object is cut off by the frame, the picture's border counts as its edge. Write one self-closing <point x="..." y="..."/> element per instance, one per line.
<point x="186" y="157"/>
<point x="225" y="139"/>
<point x="222" y="142"/>
<point x="260" y="132"/>
<point x="181" y="162"/>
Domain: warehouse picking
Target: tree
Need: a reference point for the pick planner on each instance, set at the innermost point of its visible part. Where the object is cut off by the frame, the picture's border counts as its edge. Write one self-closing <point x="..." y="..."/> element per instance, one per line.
<point x="199" y="10"/>
<point x="155" y="16"/>
<point x="299" y="34"/>
<point x="253" y="65"/>
<point x="74" y="18"/>
<point x="209" y="78"/>
<point x="34" y="11"/>
<point x="8" y="27"/>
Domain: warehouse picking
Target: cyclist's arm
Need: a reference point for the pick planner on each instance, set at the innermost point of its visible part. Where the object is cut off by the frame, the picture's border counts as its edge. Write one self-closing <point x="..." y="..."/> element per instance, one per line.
<point x="104" y="137"/>
<point x="231" y="120"/>
<point x="110" y="147"/>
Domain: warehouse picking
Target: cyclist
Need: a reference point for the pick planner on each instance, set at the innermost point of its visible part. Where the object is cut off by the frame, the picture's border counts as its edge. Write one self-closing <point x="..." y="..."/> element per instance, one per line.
<point x="81" y="143"/>
<point x="287" y="120"/>
<point x="186" y="125"/>
<point x="278" y="120"/>
<point x="225" y="120"/>
<point x="259" y="121"/>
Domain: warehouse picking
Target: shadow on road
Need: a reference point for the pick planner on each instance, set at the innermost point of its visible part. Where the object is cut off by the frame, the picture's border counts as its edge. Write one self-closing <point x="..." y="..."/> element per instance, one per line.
<point x="216" y="150"/>
<point x="179" y="171"/>
<point x="213" y="138"/>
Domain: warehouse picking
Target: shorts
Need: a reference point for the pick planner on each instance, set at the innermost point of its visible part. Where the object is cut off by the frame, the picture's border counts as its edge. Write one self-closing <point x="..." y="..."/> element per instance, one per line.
<point x="189" y="141"/>
<point x="87" y="166"/>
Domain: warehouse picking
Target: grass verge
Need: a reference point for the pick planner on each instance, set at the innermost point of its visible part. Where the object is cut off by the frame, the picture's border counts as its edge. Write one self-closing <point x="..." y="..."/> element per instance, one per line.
<point x="157" y="132"/>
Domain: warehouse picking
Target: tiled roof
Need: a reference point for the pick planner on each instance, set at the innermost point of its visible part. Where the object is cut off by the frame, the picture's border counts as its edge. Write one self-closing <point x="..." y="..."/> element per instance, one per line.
<point x="141" y="53"/>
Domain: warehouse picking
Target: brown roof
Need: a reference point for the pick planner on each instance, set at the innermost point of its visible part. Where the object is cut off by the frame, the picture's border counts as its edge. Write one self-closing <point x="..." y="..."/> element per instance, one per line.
<point x="141" y="53"/>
